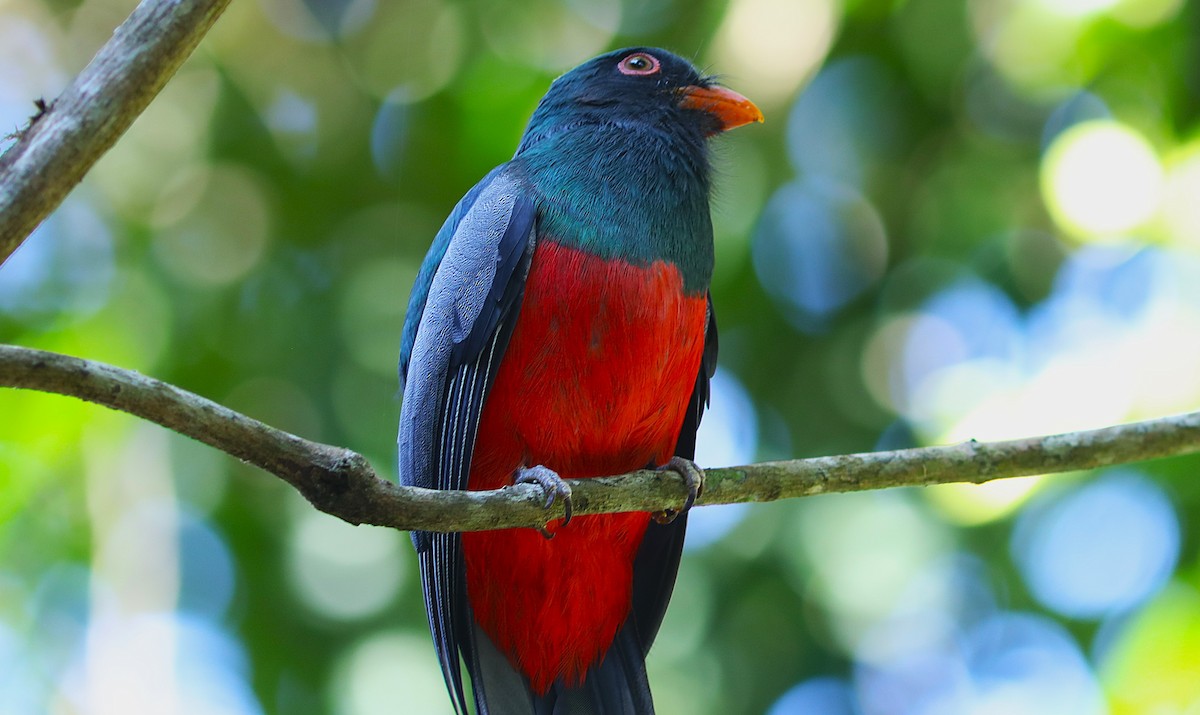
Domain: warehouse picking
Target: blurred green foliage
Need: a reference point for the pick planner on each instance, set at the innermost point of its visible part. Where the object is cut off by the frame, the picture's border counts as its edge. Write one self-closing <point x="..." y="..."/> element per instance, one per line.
<point x="961" y="219"/>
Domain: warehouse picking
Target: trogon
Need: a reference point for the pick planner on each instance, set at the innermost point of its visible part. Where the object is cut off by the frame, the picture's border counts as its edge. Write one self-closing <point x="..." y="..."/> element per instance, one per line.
<point x="561" y="328"/>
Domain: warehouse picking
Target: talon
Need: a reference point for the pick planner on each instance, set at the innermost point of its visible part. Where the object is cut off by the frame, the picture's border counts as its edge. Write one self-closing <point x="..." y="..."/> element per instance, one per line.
<point x="693" y="477"/>
<point x="552" y="485"/>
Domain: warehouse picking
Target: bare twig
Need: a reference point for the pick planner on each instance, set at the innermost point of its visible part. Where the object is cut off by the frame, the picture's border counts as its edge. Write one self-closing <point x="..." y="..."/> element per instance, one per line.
<point x="52" y="155"/>
<point x="342" y="483"/>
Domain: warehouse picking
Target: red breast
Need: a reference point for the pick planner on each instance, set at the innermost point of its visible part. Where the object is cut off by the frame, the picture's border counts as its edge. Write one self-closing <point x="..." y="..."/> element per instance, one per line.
<point x="595" y="382"/>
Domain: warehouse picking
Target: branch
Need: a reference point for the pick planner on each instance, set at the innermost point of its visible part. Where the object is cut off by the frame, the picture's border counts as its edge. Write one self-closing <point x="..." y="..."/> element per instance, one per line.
<point x="65" y="138"/>
<point x="341" y="482"/>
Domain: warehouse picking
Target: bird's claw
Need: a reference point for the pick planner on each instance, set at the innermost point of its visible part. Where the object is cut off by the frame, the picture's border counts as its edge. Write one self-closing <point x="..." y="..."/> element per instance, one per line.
<point x="552" y="485"/>
<point x="693" y="477"/>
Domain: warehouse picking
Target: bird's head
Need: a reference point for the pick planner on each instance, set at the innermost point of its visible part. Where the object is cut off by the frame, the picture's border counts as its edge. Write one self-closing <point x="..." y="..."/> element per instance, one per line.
<point x="640" y="86"/>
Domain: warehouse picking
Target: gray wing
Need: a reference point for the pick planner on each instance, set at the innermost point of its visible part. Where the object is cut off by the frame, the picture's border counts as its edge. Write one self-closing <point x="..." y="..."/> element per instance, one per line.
<point x="473" y="301"/>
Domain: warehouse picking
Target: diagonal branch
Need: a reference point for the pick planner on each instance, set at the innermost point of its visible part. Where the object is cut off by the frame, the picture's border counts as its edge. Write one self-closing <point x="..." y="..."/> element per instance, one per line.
<point x="62" y="142"/>
<point x="341" y="482"/>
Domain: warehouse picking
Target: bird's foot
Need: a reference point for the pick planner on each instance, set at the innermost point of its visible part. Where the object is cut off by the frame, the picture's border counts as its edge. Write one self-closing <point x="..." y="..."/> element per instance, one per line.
<point x="552" y="485"/>
<point x="693" y="477"/>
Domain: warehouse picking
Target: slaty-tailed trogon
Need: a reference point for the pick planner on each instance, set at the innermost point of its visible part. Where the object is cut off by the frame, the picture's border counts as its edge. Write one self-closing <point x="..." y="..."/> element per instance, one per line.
<point x="560" y="327"/>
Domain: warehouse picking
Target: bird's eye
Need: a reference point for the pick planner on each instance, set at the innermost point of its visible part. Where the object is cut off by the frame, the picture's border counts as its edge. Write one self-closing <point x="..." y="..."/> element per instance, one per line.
<point x="639" y="63"/>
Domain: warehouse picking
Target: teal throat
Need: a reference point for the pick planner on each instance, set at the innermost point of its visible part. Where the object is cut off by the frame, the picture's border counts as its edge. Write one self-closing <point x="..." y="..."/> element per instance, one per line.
<point x="623" y="192"/>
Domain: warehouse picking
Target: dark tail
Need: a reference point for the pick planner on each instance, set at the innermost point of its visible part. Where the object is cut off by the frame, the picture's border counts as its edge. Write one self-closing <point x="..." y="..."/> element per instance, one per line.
<point x="616" y="685"/>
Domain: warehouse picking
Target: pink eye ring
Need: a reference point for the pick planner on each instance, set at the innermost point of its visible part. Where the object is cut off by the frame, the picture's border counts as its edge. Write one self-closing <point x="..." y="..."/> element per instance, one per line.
<point x="639" y="63"/>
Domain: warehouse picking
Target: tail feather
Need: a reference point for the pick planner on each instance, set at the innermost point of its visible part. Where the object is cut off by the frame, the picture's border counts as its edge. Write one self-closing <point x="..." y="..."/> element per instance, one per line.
<point x="617" y="685"/>
<point x="499" y="689"/>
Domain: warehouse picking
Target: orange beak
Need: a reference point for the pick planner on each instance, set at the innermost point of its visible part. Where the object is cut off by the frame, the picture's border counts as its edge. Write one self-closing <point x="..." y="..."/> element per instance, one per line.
<point x="732" y="109"/>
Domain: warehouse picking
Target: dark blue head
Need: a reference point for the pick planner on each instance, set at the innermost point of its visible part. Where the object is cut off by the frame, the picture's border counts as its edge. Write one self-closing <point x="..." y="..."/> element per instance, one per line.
<point x="639" y="87"/>
<point x="617" y="158"/>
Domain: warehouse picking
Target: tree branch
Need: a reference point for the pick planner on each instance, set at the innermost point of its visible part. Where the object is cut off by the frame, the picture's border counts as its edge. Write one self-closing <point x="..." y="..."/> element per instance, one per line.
<point x="341" y="482"/>
<point x="62" y="142"/>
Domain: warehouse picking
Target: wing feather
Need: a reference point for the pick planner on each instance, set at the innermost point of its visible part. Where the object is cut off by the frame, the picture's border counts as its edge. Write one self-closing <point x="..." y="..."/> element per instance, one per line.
<point x="467" y="312"/>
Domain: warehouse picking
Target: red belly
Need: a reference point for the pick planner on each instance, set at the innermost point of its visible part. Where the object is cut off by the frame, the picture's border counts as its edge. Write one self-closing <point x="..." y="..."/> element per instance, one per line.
<point x="595" y="382"/>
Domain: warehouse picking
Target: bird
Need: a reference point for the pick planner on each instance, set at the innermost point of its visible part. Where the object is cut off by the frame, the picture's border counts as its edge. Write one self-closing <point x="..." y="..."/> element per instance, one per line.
<point x="561" y="327"/>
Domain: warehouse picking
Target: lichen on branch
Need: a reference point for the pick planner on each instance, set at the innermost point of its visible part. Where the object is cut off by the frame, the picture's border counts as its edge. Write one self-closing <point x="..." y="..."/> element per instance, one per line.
<point x="341" y="482"/>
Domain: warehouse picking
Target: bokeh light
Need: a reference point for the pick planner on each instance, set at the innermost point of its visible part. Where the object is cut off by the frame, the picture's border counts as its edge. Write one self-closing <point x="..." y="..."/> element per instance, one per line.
<point x="409" y="50"/>
<point x="345" y="572"/>
<point x="820" y="696"/>
<point x="1153" y="662"/>
<point x="770" y="46"/>
<point x="371" y="673"/>
<point x="849" y="119"/>
<point x="968" y="365"/>
<point x="318" y="22"/>
<point x="974" y="504"/>
<point x="1028" y="43"/>
<point x="207" y="575"/>
<point x="389" y="132"/>
<point x="372" y="313"/>
<point x="1078" y="108"/>
<point x="294" y="121"/>
<point x="1181" y="211"/>
<point x="862" y="551"/>
<point x="65" y="266"/>
<point x="1078" y="8"/>
<point x="1146" y="13"/>
<point x="162" y="149"/>
<point x="1101" y="178"/>
<point x="1102" y="549"/>
<point x="1021" y="663"/>
<point x="224" y="235"/>
<point x="1005" y="663"/>
<point x="161" y="663"/>
<point x="818" y="245"/>
<point x="543" y="33"/>
<point x="728" y="437"/>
